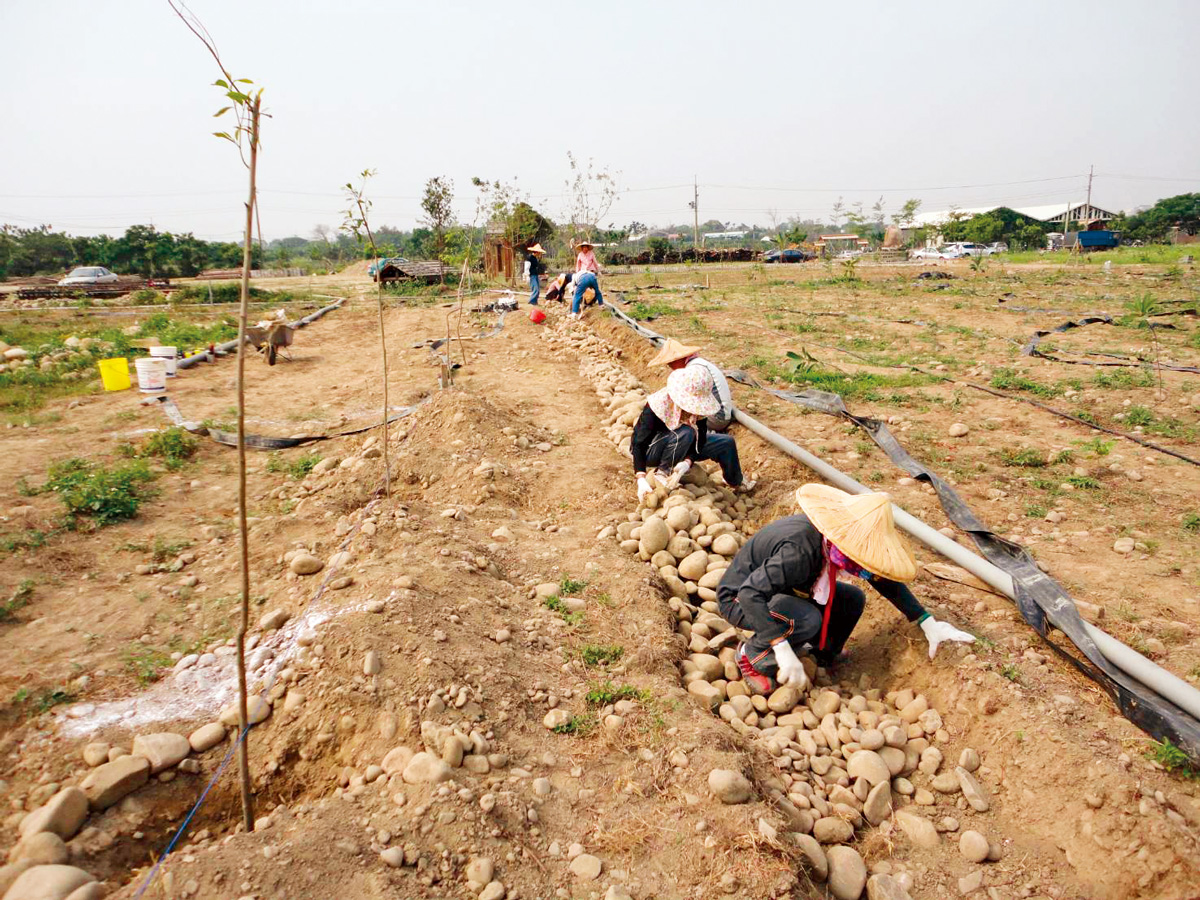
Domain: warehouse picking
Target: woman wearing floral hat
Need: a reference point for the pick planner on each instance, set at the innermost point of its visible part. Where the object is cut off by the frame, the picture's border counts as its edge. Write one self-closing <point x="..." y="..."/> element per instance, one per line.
<point x="784" y="584"/>
<point x="672" y="433"/>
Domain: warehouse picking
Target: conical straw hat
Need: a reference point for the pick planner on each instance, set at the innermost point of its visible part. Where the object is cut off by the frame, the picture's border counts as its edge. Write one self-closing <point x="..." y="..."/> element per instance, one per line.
<point x="671" y="351"/>
<point x="861" y="526"/>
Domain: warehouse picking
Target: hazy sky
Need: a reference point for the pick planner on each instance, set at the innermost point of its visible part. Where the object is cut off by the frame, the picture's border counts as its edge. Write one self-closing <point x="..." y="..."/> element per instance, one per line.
<point x="106" y="106"/>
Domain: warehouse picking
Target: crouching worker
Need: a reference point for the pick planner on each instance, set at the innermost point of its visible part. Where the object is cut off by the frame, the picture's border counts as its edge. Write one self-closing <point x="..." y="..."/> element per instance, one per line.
<point x="675" y="355"/>
<point x="784" y="585"/>
<point x="672" y="433"/>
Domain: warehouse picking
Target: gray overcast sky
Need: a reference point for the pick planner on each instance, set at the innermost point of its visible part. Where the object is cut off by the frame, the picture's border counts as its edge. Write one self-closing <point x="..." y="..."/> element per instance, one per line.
<point x="107" y="106"/>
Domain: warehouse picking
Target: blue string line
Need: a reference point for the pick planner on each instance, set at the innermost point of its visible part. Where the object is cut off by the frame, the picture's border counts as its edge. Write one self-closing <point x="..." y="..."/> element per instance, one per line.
<point x="229" y="755"/>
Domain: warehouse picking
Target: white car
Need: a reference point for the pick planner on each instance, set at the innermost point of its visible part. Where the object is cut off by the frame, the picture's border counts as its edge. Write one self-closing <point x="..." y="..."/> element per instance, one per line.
<point x="927" y="253"/>
<point x="89" y="275"/>
<point x="966" y="248"/>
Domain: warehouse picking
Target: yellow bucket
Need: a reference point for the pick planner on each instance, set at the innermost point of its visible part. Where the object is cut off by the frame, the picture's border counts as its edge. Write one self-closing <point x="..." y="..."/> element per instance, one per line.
<point x="115" y="373"/>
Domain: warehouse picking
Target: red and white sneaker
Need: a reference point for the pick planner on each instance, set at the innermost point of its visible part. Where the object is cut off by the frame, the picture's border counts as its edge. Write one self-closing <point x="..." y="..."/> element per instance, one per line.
<point x="755" y="680"/>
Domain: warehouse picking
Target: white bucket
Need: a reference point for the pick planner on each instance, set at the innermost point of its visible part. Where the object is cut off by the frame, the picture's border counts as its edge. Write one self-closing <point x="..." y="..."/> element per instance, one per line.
<point x="152" y="374"/>
<point x="167" y="354"/>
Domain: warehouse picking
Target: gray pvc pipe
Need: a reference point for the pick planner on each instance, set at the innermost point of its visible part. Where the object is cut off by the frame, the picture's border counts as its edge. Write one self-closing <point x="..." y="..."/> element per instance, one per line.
<point x="1125" y="658"/>
<point x="188" y="361"/>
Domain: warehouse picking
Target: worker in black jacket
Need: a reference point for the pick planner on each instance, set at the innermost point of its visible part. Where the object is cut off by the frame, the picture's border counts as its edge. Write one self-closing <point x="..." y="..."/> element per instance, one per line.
<point x="784" y="585"/>
<point x="671" y="433"/>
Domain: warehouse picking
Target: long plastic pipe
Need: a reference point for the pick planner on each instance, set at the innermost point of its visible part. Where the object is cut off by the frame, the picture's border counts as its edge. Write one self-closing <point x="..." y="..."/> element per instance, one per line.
<point x="1125" y="658"/>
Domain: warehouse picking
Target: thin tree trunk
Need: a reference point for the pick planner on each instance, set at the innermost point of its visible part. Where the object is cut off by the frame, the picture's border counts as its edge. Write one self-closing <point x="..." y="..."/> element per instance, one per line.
<point x="243" y="717"/>
<point x="387" y="469"/>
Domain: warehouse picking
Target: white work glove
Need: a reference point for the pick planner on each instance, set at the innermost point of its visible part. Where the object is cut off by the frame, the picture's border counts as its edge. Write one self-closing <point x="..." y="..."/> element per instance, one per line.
<point x="681" y="468"/>
<point x="790" y="670"/>
<point x="643" y="488"/>
<point x="936" y="632"/>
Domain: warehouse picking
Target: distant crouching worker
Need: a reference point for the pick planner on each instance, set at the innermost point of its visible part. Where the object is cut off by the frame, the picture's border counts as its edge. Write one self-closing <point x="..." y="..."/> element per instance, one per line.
<point x="784" y="584"/>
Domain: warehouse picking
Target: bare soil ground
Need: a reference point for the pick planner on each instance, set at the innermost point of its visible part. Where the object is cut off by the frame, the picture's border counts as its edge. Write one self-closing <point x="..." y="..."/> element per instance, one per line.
<point x="1078" y="807"/>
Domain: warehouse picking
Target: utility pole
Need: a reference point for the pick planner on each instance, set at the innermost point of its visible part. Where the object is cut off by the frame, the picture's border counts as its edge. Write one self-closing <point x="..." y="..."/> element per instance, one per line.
<point x="695" y="204"/>
<point x="1088" y="211"/>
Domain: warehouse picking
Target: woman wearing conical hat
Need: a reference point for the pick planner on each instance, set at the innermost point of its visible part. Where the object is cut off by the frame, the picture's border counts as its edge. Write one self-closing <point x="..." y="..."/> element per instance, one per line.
<point x="784" y="584"/>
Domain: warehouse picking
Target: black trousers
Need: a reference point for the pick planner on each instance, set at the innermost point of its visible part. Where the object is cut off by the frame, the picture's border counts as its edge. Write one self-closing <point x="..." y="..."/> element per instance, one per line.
<point x="802" y="619"/>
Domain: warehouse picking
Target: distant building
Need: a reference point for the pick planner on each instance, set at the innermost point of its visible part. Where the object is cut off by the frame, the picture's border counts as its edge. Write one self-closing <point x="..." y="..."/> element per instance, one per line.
<point x="1049" y="214"/>
<point x="724" y="235"/>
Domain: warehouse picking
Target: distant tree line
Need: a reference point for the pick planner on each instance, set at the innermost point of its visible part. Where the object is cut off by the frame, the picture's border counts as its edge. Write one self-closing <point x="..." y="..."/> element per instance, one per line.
<point x="1155" y="224"/>
<point x="142" y="250"/>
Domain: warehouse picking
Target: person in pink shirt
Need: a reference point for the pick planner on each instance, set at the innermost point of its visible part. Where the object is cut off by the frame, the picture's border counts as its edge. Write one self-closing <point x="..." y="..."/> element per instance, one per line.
<point x="585" y="259"/>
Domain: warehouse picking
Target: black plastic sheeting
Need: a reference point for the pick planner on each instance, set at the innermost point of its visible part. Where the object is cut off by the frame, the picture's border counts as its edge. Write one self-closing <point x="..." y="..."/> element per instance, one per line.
<point x="260" y="441"/>
<point x="1031" y="348"/>
<point x="1040" y="598"/>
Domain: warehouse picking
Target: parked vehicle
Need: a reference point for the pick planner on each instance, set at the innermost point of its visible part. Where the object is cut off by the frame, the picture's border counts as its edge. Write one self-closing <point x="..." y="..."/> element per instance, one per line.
<point x="967" y="248"/>
<point x="926" y="253"/>
<point x="89" y="275"/>
<point x="998" y="247"/>
<point x="791" y="255"/>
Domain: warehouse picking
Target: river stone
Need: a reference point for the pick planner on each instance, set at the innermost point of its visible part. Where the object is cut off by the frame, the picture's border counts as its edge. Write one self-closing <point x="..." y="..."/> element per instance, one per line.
<point x="206" y="737"/>
<point x="110" y="782"/>
<point x="974" y="846"/>
<point x="41" y="849"/>
<point x="257" y="709"/>
<point x="871" y="739"/>
<point x="586" y="867"/>
<point x="662" y="560"/>
<point x="493" y="890"/>
<point x="709" y="695"/>
<point x="847" y="873"/>
<point x="396" y="759"/>
<point x="274" y="620"/>
<point x="878" y="804"/>
<point x="827" y="702"/>
<point x="694" y="566"/>
<point x="946" y="783"/>
<point x="869" y="765"/>
<point x="48" y="883"/>
<point x="813" y="855"/>
<point x="885" y="887"/>
<point x="305" y="564"/>
<point x="393" y="856"/>
<point x="654" y="535"/>
<point x="164" y="749"/>
<point x="972" y="790"/>
<point x="913" y="710"/>
<point x="62" y="814"/>
<point x="679" y="518"/>
<point x="969" y="759"/>
<point x="709" y="666"/>
<point x="783" y="699"/>
<point x="95" y="755"/>
<point x="725" y="544"/>
<point x="425" y="768"/>
<point x="893" y="758"/>
<point x="480" y="870"/>
<point x="832" y="830"/>
<point x="918" y="829"/>
<point x="729" y="786"/>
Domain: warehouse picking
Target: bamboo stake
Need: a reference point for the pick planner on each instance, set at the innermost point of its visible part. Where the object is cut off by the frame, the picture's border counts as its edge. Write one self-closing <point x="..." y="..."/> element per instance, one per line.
<point x="243" y="536"/>
<point x="387" y="469"/>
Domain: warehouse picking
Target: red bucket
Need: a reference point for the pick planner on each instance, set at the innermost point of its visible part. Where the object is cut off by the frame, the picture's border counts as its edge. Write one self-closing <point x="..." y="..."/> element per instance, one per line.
<point x="536" y="316"/>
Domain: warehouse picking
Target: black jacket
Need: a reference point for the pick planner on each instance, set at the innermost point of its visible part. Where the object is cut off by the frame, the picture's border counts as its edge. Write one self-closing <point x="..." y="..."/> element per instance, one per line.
<point x="536" y="266"/>
<point x="648" y="427"/>
<point x="785" y="557"/>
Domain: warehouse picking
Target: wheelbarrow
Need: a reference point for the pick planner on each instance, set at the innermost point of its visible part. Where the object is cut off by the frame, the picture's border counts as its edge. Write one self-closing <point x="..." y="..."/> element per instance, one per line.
<point x="270" y="340"/>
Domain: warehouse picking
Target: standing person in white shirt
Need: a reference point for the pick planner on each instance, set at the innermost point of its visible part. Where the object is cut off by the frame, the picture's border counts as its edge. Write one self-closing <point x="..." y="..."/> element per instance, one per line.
<point x="675" y="355"/>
